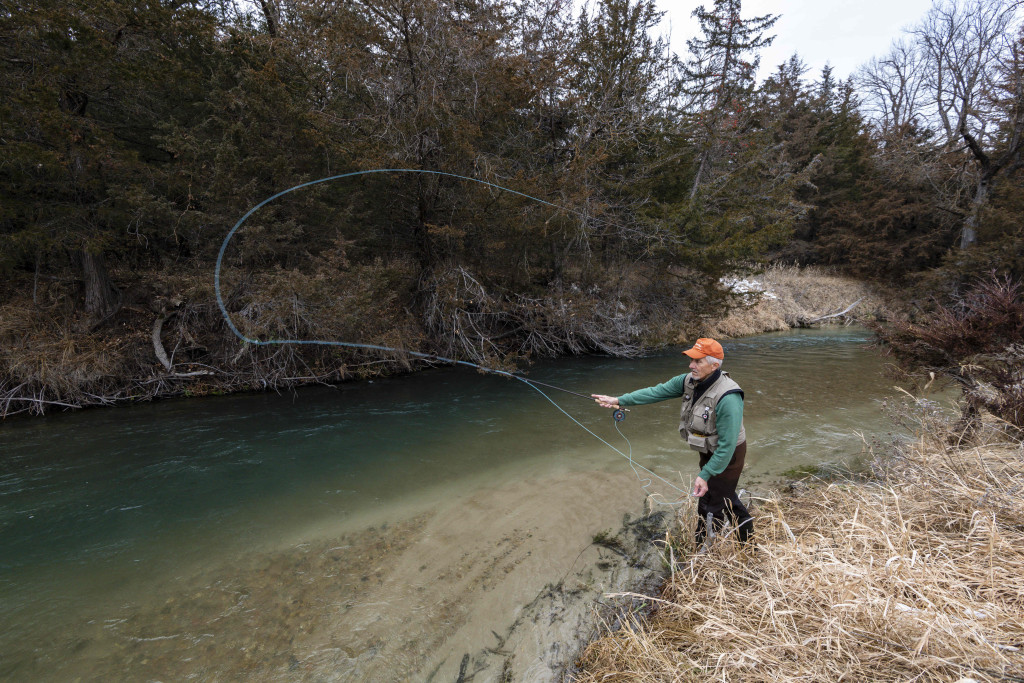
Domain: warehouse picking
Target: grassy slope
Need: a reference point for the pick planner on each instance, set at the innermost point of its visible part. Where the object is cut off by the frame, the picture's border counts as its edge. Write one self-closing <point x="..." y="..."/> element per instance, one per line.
<point x="792" y="295"/>
<point x="913" y="574"/>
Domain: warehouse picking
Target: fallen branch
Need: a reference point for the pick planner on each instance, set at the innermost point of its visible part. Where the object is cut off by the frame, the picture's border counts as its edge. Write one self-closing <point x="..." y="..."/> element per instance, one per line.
<point x="5" y="405"/>
<point x="161" y="352"/>
<point x="807" y="323"/>
<point x="158" y="345"/>
<point x="39" y="400"/>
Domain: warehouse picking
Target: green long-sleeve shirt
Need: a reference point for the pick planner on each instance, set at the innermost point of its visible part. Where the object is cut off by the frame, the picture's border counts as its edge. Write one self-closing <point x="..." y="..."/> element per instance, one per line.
<point x="728" y="419"/>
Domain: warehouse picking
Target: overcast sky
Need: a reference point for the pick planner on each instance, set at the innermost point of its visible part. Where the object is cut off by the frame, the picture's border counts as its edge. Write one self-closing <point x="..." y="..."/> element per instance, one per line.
<point x="845" y="33"/>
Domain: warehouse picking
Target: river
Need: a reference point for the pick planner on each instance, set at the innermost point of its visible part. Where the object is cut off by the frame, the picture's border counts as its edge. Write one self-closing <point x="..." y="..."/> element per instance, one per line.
<point x="390" y="530"/>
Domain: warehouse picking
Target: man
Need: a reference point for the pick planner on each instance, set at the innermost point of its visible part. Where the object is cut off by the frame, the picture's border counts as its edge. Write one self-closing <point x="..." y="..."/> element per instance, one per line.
<point x="711" y="422"/>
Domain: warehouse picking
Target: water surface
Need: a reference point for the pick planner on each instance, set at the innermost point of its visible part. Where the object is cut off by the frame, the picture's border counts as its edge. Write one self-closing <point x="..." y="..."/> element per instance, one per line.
<point x="375" y="531"/>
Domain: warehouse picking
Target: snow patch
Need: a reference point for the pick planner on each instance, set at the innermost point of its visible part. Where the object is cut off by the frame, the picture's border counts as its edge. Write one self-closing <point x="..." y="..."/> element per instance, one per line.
<point x="746" y="286"/>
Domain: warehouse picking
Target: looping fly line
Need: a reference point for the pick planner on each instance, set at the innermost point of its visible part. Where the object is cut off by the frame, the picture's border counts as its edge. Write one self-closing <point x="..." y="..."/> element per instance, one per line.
<point x="618" y="416"/>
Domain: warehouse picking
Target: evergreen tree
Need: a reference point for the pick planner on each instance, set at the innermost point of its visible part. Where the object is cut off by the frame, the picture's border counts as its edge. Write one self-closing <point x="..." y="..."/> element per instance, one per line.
<point x="621" y="80"/>
<point x="88" y="87"/>
<point x="729" y="197"/>
<point x="718" y="80"/>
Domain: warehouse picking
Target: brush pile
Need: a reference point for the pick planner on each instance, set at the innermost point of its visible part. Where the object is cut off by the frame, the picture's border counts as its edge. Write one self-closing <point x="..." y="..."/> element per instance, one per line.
<point x="914" y="573"/>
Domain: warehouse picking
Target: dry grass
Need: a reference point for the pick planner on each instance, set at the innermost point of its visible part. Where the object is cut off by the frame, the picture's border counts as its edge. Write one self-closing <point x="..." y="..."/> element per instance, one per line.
<point x="801" y="294"/>
<point x="50" y="358"/>
<point x="917" y="574"/>
<point x="44" y="362"/>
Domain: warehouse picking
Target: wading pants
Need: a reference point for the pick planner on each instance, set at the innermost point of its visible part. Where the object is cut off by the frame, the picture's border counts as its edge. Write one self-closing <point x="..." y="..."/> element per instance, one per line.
<point x="721" y="499"/>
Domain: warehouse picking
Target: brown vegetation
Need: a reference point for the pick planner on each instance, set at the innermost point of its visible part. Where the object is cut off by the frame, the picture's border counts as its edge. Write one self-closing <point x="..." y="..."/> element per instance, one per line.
<point x="170" y="339"/>
<point x="793" y="296"/>
<point x="977" y="340"/>
<point x="909" y="575"/>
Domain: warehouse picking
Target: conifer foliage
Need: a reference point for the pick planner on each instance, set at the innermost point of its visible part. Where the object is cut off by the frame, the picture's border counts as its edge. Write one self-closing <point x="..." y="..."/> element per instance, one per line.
<point x="133" y="135"/>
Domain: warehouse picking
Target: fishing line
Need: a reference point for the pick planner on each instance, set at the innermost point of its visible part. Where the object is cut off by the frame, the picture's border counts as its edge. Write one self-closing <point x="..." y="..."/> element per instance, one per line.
<point x="618" y="415"/>
<point x="645" y="484"/>
<point x="224" y="245"/>
<point x="633" y="463"/>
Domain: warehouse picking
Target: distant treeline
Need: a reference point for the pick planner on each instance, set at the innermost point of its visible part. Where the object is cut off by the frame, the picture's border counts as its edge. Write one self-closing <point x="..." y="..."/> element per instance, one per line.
<point x="133" y="135"/>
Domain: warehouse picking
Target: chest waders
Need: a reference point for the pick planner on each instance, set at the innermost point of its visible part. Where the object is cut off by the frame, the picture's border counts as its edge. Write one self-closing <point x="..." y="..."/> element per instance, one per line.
<point x="698" y="427"/>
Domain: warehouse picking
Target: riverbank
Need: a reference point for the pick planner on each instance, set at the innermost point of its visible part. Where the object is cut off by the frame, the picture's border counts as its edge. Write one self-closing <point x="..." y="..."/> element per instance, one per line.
<point x="784" y="297"/>
<point x="910" y="573"/>
<point x="377" y="527"/>
<point x="169" y="339"/>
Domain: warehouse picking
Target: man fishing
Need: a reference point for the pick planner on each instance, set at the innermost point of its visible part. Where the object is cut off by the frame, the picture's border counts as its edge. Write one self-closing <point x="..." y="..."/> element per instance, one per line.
<point x="711" y="422"/>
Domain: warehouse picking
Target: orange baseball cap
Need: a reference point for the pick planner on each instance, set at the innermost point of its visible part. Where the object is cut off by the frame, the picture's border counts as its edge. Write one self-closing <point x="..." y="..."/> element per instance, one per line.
<point x="706" y="347"/>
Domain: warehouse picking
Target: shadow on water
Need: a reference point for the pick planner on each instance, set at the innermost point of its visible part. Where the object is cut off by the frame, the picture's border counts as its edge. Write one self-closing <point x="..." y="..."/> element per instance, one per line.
<point x="373" y="531"/>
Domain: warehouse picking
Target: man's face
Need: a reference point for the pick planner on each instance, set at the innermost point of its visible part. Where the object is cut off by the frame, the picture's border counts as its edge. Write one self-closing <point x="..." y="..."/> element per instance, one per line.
<point x="701" y="368"/>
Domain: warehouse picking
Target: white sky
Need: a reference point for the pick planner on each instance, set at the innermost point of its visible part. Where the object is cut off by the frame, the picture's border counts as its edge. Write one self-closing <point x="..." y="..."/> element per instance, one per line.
<point x="845" y="33"/>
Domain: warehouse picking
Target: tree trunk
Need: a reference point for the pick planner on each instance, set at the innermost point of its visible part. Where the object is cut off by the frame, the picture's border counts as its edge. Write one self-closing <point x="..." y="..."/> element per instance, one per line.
<point x="420" y="230"/>
<point x="700" y="172"/>
<point x="271" y="14"/>
<point x="102" y="298"/>
<point x="969" y="233"/>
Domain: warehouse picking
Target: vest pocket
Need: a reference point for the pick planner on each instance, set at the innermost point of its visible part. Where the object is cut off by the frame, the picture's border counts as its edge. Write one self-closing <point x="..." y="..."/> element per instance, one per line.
<point x="704" y="444"/>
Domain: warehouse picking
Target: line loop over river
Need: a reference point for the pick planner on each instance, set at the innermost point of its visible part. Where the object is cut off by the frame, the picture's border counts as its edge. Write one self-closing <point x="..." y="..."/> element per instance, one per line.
<point x="416" y="354"/>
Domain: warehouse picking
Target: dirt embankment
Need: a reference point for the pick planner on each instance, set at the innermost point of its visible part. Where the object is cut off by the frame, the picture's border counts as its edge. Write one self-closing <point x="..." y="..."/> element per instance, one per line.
<point x="169" y="338"/>
<point x="911" y="573"/>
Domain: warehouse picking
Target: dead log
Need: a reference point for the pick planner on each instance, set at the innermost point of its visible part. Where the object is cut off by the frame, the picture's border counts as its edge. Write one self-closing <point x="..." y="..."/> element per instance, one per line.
<point x="161" y="352"/>
<point x="801" y="322"/>
<point x="158" y="345"/>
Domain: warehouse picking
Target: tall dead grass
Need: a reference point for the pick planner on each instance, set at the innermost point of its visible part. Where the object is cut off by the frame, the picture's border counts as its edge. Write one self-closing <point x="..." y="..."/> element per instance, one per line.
<point x="916" y="574"/>
<point x="796" y="294"/>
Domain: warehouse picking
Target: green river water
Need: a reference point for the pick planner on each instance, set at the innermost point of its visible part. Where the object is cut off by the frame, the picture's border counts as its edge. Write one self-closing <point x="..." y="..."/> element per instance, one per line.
<point x="375" y="531"/>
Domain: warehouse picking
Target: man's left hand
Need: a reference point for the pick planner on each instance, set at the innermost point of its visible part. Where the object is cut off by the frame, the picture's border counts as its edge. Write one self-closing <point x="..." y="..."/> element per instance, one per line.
<point x="700" y="487"/>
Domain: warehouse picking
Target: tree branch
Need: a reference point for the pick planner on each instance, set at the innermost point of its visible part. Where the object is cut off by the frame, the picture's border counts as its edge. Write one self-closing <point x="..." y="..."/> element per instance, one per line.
<point x="806" y="323"/>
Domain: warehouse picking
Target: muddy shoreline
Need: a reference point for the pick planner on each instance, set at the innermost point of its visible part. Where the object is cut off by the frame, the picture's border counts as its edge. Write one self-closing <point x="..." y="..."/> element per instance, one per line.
<point x="388" y="601"/>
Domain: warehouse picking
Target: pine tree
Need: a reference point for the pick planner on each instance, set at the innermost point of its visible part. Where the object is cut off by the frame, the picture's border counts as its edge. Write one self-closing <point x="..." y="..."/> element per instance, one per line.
<point x="622" y="83"/>
<point x="88" y="87"/>
<point x="719" y="79"/>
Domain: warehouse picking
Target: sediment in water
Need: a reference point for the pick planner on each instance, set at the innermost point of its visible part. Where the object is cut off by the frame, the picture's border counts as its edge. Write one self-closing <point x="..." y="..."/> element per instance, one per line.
<point x="390" y="601"/>
<point x="549" y="633"/>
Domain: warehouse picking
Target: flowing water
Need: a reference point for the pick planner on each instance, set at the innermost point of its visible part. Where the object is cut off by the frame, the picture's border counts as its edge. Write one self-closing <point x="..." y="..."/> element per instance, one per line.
<point x="376" y="531"/>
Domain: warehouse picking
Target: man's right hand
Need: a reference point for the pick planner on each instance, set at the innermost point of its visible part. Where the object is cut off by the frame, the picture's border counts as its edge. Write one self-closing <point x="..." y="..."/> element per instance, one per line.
<point x="606" y="401"/>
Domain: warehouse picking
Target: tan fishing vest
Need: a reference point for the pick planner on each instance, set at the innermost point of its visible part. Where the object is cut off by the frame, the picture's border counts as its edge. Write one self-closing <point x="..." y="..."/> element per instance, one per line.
<point x="697" y="419"/>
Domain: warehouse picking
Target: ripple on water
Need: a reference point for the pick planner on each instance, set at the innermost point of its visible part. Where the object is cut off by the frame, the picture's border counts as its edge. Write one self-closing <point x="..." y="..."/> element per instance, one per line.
<point x="172" y="541"/>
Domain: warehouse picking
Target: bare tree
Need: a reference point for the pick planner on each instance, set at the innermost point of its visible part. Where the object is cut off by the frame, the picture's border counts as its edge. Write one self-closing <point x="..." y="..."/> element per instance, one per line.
<point x="963" y="45"/>
<point x="953" y="76"/>
<point x="893" y="87"/>
<point x="960" y="43"/>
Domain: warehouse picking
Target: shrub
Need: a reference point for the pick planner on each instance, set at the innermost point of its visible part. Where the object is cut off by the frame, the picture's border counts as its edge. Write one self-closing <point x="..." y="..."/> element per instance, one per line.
<point x="978" y="341"/>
